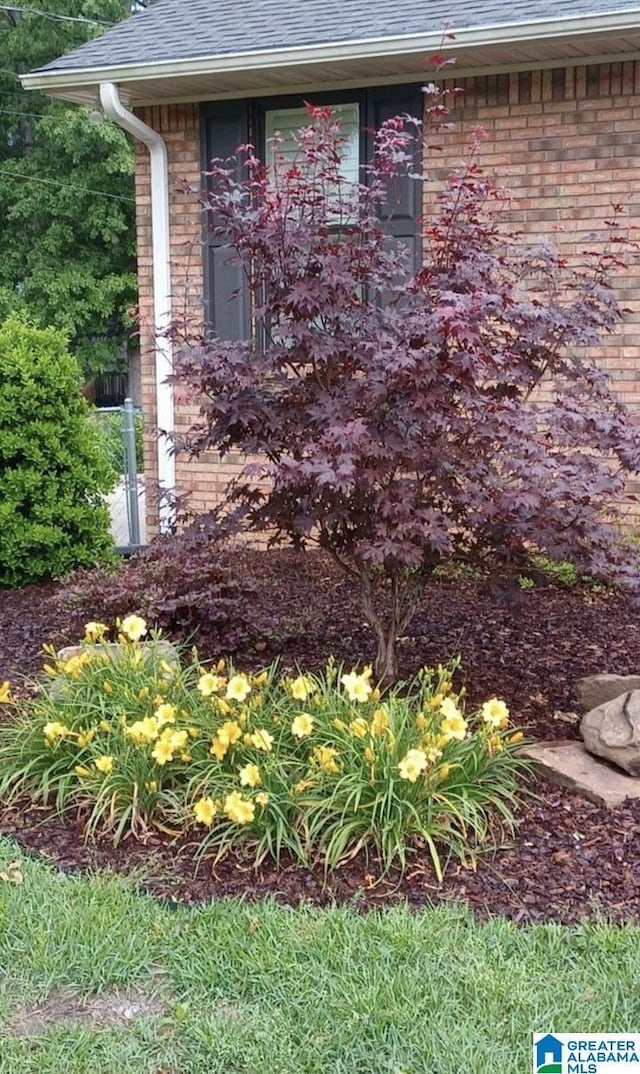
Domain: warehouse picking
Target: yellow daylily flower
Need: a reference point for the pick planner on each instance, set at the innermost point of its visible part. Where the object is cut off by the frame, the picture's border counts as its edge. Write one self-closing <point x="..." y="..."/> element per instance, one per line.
<point x="369" y="755"/>
<point x="143" y="731"/>
<point x="495" y="713"/>
<point x="239" y="809"/>
<point x="238" y="688"/>
<point x="133" y="627"/>
<point x="302" y="725"/>
<point x="357" y="686"/>
<point x="209" y="684"/>
<point x="250" y="776"/>
<point x="204" y="811"/>
<point x="82" y="772"/>
<point x="219" y="749"/>
<point x="380" y="722"/>
<point x="104" y="764"/>
<point x="162" y="752"/>
<point x="302" y="688"/>
<point x="54" y="730"/>
<point x="5" y="693"/>
<point x="326" y="757"/>
<point x="412" y="765"/>
<point x="262" y="798"/>
<point x="85" y="737"/>
<point x="74" y="665"/>
<point x="93" y="632"/>
<point x="230" y="732"/>
<point x="453" y="727"/>
<point x="359" y="728"/>
<point x="165" y="713"/>
<point x="262" y="740"/>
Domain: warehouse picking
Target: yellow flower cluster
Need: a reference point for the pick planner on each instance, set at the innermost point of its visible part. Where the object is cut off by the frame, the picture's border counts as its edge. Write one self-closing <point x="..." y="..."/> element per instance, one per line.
<point x="169" y="743"/>
<point x="326" y="757"/>
<point x="74" y="665"/>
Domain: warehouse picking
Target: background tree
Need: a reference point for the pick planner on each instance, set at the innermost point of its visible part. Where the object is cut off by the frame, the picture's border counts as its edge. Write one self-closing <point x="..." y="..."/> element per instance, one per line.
<point x="395" y="417"/>
<point x="67" y="242"/>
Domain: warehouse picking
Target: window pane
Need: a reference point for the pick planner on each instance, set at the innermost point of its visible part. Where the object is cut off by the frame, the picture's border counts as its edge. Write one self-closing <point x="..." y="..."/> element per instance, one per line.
<point x="287" y="121"/>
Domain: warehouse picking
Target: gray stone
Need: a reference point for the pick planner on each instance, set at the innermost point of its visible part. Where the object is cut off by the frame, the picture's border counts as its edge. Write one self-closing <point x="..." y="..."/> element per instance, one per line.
<point x="569" y="765"/>
<point x="595" y="690"/>
<point x="612" y="731"/>
<point x="164" y="649"/>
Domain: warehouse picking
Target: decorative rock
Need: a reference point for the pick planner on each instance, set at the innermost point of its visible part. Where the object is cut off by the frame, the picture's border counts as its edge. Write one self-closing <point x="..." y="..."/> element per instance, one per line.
<point x="164" y="649"/>
<point x="569" y="765"/>
<point x="612" y="731"/>
<point x="595" y="690"/>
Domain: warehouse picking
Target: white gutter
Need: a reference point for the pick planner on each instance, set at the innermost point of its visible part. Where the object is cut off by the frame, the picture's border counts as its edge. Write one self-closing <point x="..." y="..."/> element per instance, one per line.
<point x="368" y="48"/>
<point x="113" y="107"/>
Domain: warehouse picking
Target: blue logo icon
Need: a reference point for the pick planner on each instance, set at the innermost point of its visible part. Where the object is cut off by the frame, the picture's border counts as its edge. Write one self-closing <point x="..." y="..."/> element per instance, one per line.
<point x="549" y="1055"/>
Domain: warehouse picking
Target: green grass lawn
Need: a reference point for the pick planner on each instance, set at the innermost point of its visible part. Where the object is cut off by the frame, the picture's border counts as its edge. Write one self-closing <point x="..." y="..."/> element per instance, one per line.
<point x="262" y="989"/>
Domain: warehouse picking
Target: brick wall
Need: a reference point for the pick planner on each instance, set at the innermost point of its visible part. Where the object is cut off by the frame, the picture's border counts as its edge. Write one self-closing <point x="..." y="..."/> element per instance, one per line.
<point x="566" y="145"/>
<point x="565" y="142"/>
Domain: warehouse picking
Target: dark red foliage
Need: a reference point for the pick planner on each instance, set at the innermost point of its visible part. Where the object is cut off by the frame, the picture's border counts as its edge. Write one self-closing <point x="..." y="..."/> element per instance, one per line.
<point x="177" y="584"/>
<point x="396" y="417"/>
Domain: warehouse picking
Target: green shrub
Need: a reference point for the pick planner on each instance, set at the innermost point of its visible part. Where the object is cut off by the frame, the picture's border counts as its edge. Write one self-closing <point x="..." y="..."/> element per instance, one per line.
<point x="318" y="765"/>
<point x="53" y="473"/>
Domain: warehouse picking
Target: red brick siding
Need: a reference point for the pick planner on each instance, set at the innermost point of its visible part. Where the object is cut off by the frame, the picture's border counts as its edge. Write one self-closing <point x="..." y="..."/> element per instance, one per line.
<point x="566" y="145"/>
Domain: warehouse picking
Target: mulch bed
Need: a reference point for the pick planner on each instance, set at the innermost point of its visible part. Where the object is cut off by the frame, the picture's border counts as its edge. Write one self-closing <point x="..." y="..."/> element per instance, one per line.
<point x="569" y="859"/>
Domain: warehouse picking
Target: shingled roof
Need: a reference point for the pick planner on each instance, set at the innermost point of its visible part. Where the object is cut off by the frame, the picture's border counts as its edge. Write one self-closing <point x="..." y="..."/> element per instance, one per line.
<point x="173" y="30"/>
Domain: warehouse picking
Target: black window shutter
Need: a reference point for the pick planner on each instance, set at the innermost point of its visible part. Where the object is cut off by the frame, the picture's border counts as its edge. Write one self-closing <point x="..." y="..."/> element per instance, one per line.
<point x="225" y="126"/>
<point x="402" y="214"/>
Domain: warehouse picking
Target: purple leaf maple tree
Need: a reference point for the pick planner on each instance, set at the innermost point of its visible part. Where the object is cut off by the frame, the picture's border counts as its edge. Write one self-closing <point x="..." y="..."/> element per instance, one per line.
<point x="401" y="418"/>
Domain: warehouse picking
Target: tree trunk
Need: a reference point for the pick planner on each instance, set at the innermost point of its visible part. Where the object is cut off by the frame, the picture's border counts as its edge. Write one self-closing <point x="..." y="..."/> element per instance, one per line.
<point x="386" y="663"/>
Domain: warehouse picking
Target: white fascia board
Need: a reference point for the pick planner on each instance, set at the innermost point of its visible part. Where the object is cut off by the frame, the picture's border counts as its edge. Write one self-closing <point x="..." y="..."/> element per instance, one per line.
<point x="502" y="33"/>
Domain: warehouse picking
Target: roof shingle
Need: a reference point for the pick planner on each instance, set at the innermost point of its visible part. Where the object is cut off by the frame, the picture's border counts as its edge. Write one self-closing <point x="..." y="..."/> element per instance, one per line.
<point x="190" y="29"/>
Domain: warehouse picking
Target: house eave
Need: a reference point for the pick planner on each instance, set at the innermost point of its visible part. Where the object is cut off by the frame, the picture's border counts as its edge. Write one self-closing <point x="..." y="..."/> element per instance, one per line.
<point x="402" y="57"/>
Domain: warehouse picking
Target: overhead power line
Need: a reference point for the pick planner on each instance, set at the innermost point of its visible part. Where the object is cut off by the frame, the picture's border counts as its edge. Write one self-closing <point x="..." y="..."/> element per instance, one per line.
<point x="28" y="115"/>
<point x="53" y="17"/>
<point x="58" y="182"/>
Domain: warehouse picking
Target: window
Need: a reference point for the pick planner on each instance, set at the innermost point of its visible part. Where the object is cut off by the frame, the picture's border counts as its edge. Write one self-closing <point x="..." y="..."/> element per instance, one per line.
<point x="287" y="121"/>
<point x="228" y="124"/>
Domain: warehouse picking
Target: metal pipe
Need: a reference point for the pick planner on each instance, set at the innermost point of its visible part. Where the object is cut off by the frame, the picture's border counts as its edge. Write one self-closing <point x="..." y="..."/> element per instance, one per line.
<point x="131" y="471"/>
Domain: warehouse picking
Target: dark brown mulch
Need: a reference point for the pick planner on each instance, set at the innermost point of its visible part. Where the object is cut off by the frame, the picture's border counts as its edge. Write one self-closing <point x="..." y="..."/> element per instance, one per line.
<point x="569" y="857"/>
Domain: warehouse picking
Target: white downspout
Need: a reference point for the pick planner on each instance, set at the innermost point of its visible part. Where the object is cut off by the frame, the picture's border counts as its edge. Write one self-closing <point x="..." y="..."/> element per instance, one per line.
<point x="113" y="107"/>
